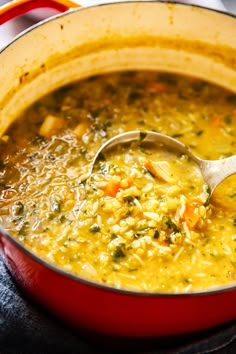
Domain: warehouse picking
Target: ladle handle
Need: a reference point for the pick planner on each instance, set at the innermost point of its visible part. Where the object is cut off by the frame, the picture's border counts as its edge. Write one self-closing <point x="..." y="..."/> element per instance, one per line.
<point x="215" y="171"/>
<point x="18" y="8"/>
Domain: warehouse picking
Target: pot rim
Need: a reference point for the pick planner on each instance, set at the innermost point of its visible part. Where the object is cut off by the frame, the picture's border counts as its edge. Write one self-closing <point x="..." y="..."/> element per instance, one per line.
<point x="60" y="271"/>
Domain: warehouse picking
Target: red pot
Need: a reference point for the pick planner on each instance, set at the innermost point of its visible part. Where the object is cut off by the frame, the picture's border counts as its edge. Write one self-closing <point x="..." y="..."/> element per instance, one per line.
<point x="98" y="39"/>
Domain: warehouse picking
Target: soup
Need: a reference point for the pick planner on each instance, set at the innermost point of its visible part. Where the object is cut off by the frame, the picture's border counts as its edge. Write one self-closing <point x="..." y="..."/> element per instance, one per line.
<point x="142" y="220"/>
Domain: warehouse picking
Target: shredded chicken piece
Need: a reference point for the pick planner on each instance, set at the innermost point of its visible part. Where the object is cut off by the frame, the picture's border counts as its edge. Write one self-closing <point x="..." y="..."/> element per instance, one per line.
<point x="160" y="169"/>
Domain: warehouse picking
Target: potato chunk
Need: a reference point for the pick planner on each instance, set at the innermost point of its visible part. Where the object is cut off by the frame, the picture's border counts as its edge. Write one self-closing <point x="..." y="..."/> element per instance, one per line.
<point x="81" y="128"/>
<point x="51" y="126"/>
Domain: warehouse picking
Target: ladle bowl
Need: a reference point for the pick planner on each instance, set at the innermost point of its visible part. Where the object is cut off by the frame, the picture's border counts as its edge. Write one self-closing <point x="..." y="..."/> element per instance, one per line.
<point x="213" y="171"/>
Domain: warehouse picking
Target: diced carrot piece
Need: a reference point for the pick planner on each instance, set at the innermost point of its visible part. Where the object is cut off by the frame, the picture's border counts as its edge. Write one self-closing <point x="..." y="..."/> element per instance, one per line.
<point x="156" y="87"/>
<point x="164" y="243"/>
<point x="216" y="122"/>
<point x="190" y="216"/>
<point x="112" y="187"/>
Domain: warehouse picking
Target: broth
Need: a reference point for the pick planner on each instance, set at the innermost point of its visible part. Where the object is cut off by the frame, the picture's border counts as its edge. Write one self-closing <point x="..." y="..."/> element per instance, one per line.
<point x="141" y="221"/>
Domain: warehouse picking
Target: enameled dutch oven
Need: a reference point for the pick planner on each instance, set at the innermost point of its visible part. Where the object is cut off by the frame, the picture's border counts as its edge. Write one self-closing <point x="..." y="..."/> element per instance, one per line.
<point x="87" y="41"/>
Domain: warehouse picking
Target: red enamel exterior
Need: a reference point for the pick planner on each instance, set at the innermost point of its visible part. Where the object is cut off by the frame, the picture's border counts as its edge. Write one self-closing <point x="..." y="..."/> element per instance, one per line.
<point x="104" y="310"/>
<point x="113" y="312"/>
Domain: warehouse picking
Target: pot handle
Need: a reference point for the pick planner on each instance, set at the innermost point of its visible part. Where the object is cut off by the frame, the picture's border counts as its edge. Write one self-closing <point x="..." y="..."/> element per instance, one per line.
<point x="17" y="8"/>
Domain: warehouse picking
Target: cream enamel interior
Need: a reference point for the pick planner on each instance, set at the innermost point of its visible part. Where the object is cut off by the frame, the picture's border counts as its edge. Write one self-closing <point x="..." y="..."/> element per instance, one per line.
<point x="141" y="35"/>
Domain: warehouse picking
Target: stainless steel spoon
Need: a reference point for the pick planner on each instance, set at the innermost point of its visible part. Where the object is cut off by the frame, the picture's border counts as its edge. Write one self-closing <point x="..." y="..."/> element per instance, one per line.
<point x="213" y="171"/>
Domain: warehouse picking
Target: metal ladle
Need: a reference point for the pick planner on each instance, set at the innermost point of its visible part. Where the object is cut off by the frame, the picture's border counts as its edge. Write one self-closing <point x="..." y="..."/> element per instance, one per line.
<point x="213" y="171"/>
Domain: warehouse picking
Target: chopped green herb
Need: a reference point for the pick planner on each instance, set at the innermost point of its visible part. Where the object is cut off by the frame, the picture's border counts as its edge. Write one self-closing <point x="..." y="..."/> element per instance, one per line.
<point x="141" y="232"/>
<point x="170" y="224"/>
<point x="228" y="120"/>
<point x="56" y="204"/>
<point x="118" y="253"/>
<point x="144" y="150"/>
<point x="18" y="208"/>
<point x="82" y="150"/>
<point x="178" y="135"/>
<point x="207" y="202"/>
<point x="101" y="157"/>
<point x="103" y="167"/>
<point x="113" y="236"/>
<point x="62" y="218"/>
<point x="33" y="156"/>
<point x="199" y="132"/>
<point x="156" y="234"/>
<point x="94" y="228"/>
<point x="142" y="135"/>
<point x="51" y="157"/>
<point x="133" y="97"/>
<point x="141" y="122"/>
<point x="24" y="229"/>
<point x="129" y="199"/>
